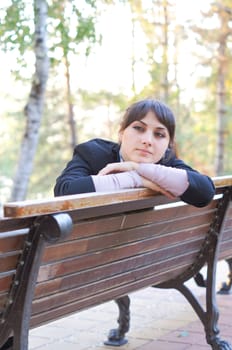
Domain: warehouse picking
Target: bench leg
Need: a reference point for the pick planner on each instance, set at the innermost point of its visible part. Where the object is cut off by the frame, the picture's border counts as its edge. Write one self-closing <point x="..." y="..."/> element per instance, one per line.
<point x="226" y="287"/>
<point x="199" y="279"/>
<point x="209" y="318"/>
<point x="209" y="255"/>
<point x="116" y="336"/>
<point x="15" y="344"/>
<point x="8" y="344"/>
<point x="212" y="313"/>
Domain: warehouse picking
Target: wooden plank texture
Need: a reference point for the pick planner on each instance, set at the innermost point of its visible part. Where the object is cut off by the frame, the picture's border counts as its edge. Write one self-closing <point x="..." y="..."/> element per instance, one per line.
<point x="106" y="256"/>
<point x="86" y="200"/>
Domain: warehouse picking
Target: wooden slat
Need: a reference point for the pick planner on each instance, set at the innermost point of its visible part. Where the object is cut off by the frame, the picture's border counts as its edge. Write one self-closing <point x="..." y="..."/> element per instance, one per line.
<point x="222" y="181"/>
<point x="228" y="224"/>
<point x="113" y="239"/>
<point x="57" y="313"/>
<point x="67" y="203"/>
<point x="90" y="227"/>
<point x="8" y="263"/>
<point x="227" y="235"/>
<point x="103" y="233"/>
<point x="11" y="244"/>
<point x="225" y="250"/>
<point x="168" y="214"/>
<point x="5" y="281"/>
<point x="53" y="286"/>
<point x="12" y="224"/>
<point x="104" y="284"/>
<point x="3" y="300"/>
<point x="142" y="253"/>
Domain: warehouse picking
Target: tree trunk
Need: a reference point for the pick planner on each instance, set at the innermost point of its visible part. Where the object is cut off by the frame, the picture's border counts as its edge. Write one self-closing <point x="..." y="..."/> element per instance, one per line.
<point x="34" y="108"/>
<point x="165" y="29"/>
<point x="224" y="14"/>
<point x="71" y="117"/>
<point x="221" y="111"/>
<point x="133" y="55"/>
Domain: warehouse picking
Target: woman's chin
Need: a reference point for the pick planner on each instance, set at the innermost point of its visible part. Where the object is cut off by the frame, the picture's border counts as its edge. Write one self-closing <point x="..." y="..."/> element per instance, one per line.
<point x="142" y="160"/>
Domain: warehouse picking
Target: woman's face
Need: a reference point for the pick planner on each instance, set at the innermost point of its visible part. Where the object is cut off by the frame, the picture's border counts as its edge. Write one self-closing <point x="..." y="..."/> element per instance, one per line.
<point x="145" y="140"/>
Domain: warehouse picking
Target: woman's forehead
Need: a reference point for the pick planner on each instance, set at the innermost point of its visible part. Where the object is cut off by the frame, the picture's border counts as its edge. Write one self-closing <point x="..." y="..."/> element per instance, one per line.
<point x="151" y="120"/>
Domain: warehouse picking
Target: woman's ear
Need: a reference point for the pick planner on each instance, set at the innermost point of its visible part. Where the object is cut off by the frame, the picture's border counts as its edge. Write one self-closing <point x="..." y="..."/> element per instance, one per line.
<point x="120" y="136"/>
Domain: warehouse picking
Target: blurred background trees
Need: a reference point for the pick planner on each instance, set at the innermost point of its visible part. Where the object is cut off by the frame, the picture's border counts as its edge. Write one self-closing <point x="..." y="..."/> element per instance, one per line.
<point x="98" y="57"/>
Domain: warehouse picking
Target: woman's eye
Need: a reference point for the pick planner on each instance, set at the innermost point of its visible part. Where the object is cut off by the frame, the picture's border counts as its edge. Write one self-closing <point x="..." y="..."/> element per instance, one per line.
<point x="159" y="135"/>
<point x="138" y="128"/>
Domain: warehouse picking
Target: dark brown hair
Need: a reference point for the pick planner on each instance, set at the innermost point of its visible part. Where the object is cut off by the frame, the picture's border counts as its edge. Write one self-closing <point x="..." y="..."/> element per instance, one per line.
<point x="163" y="113"/>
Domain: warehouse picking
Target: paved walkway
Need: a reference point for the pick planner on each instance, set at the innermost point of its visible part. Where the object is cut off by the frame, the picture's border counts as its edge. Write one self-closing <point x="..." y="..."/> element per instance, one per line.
<point x="160" y="320"/>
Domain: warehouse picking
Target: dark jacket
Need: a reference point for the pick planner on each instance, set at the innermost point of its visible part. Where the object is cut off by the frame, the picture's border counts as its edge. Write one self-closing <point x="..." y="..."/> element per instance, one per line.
<point x="92" y="156"/>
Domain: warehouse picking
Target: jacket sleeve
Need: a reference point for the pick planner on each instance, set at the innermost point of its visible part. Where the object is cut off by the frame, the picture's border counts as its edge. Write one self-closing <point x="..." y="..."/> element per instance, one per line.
<point x="88" y="158"/>
<point x="201" y="188"/>
<point x="75" y="178"/>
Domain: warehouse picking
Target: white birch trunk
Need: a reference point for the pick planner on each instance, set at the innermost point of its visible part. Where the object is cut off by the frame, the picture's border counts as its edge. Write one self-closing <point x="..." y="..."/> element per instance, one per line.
<point x="34" y="108"/>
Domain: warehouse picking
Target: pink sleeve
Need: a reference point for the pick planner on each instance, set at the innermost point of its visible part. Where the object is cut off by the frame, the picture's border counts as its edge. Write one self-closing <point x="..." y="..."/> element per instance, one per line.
<point x="119" y="181"/>
<point x="171" y="179"/>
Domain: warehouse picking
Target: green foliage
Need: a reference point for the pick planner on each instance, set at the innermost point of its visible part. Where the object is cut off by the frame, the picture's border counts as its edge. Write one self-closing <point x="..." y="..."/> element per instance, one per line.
<point x="71" y="27"/>
<point x="214" y="39"/>
<point x="103" y="111"/>
<point x="17" y="26"/>
<point x="72" y="33"/>
<point x="11" y="130"/>
<point x="51" y="156"/>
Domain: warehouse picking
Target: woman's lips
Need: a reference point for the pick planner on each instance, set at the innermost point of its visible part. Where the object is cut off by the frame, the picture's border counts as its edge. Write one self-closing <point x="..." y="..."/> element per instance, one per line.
<point x="144" y="151"/>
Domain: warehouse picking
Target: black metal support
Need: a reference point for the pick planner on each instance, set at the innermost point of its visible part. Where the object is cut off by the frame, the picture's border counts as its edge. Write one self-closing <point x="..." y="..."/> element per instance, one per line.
<point x="226" y="287"/>
<point x="212" y="313"/>
<point x="8" y="345"/>
<point x="199" y="279"/>
<point x="15" y="320"/>
<point x="209" y="255"/>
<point x="116" y="336"/>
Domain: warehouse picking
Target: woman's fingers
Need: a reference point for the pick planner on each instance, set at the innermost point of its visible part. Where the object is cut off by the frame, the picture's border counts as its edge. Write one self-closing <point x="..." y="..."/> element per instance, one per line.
<point x="128" y="166"/>
<point x="117" y="168"/>
<point x="153" y="186"/>
<point x="110" y="168"/>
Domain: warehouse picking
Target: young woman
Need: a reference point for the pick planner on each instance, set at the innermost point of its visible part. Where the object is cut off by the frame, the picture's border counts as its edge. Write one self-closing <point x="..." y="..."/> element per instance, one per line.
<point x="144" y="157"/>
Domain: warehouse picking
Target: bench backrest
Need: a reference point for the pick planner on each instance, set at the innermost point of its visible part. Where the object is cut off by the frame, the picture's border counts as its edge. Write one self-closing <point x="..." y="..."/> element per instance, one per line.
<point x="125" y="242"/>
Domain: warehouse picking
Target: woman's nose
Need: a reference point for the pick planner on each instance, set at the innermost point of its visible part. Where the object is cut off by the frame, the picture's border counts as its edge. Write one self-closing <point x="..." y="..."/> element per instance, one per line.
<point x="147" y="138"/>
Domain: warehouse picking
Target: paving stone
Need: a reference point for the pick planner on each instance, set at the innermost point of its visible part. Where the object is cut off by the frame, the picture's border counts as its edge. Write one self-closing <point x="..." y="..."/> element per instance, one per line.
<point x="160" y="345"/>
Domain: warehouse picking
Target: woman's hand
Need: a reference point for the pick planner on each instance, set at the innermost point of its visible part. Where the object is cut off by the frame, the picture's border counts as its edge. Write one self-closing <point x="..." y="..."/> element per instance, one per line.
<point x="153" y="186"/>
<point x="129" y="166"/>
<point x="118" y="167"/>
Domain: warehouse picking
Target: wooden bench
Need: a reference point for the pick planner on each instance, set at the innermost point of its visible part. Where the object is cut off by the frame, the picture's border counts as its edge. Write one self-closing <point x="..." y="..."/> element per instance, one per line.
<point x="70" y="253"/>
